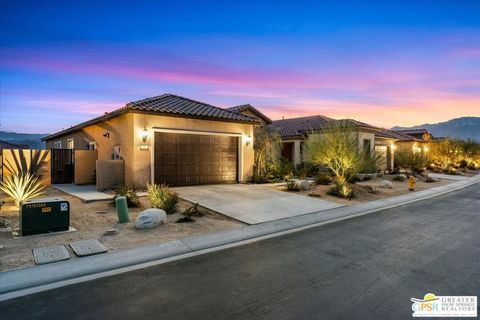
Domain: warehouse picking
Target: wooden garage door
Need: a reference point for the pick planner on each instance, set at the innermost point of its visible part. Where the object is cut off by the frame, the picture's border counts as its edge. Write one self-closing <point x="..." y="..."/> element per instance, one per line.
<point x="190" y="159"/>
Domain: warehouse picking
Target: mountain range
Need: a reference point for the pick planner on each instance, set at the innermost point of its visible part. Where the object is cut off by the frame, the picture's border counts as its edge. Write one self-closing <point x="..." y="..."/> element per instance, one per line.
<point x="462" y="128"/>
<point x="33" y="140"/>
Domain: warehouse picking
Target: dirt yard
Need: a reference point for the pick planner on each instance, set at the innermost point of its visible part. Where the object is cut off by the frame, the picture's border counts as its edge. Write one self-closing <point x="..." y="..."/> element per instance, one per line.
<point x="366" y="190"/>
<point x="90" y="224"/>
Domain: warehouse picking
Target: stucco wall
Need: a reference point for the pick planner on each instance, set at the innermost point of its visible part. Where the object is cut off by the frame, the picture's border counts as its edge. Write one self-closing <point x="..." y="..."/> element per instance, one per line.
<point x="110" y="174"/>
<point x="143" y="158"/>
<point x="85" y="166"/>
<point x="120" y="132"/>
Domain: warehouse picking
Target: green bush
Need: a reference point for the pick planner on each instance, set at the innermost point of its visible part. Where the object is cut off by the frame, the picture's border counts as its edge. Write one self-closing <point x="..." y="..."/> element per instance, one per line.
<point x="471" y="166"/>
<point x="413" y="162"/>
<point x="129" y="194"/>
<point x="162" y="197"/>
<point x="463" y="163"/>
<point x="341" y="189"/>
<point x="323" y="178"/>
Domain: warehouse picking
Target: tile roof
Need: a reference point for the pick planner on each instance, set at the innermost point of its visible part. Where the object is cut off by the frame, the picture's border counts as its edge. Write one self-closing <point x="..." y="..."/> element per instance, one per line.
<point x="167" y="104"/>
<point x="243" y="107"/>
<point x="173" y="104"/>
<point x="412" y="131"/>
<point x="395" y="135"/>
<point x="296" y="126"/>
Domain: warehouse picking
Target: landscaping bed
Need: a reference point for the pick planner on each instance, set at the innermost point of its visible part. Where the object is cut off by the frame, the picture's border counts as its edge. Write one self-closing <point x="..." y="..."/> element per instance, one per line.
<point x="90" y="224"/>
<point x="364" y="191"/>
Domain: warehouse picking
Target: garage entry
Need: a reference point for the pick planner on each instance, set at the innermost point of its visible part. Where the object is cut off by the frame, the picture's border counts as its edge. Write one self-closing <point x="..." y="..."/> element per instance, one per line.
<point x="192" y="159"/>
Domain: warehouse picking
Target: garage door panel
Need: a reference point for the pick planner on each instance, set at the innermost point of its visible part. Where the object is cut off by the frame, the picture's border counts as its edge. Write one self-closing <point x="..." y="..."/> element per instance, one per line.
<point x="183" y="159"/>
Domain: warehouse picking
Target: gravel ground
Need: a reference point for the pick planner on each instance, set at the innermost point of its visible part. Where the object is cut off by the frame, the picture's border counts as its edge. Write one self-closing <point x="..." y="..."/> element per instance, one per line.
<point x="17" y="253"/>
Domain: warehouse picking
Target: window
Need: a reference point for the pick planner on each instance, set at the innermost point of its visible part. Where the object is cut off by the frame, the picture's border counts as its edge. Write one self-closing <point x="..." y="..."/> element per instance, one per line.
<point x="70" y="143"/>
<point x="367" y="145"/>
<point x="57" y="145"/>
<point x="92" y="145"/>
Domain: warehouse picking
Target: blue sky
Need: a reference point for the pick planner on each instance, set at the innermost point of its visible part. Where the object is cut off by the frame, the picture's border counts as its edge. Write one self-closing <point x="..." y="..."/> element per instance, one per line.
<point x="382" y="62"/>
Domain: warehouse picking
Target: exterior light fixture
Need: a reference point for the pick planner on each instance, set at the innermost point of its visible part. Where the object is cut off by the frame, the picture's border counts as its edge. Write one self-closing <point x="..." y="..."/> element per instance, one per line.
<point x="248" y="140"/>
<point x="106" y="134"/>
<point x="144" y="134"/>
<point x="426" y="149"/>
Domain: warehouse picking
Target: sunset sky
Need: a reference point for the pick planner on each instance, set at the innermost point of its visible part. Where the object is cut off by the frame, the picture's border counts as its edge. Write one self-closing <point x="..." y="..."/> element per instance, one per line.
<point x="384" y="63"/>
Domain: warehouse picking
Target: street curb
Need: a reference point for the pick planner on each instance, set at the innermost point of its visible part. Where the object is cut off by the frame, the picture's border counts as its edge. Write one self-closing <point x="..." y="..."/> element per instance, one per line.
<point x="25" y="281"/>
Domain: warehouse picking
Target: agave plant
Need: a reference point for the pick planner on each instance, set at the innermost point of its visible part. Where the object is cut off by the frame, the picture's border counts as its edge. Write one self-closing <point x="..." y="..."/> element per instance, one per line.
<point x="22" y="186"/>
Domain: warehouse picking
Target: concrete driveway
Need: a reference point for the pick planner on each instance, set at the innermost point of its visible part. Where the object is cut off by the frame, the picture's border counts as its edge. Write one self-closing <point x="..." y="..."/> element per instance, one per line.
<point x="253" y="204"/>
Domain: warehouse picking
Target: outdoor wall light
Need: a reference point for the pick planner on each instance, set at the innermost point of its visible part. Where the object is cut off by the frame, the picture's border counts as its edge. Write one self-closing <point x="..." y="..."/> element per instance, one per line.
<point x="248" y="140"/>
<point x="144" y="134"/>
<point x="106" y="134"/>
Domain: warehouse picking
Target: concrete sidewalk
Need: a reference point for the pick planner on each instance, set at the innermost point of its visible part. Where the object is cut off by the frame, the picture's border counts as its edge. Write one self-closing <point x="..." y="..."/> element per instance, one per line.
<point x="86" y="193"/>
<point x="34" y="279"/>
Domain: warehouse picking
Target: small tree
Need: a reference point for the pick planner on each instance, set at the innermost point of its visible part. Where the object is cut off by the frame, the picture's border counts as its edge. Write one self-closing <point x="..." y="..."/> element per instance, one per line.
<point x="337" y="149"/>
<point x="266" y="144"/>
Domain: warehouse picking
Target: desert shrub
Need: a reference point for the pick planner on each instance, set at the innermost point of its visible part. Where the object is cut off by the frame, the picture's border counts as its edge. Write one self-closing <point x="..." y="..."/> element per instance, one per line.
<point x="323" y="178"/>
<point x="471" y="166"/>
<point x="293" y="186"/>
<point x="129" y="194"/>
<point x="410" y="161"/>
<point x="162" y="197"/>
<point x="369" y="162"/>
<point x="341" y="189"/>
<point x="22" y="186"/>
<point x="266" y="144"/>
<point x="303" y="170"/>
<point x="193" y="211"/>
<point x="463" y="163"/>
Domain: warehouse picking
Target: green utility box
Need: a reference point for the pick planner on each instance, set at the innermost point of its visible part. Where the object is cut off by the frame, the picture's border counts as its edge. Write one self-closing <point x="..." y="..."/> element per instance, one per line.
<point x="44" y="215"/>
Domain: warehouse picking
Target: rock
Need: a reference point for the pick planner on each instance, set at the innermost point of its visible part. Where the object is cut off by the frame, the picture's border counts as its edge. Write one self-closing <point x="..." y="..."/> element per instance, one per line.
<point x="385" y="184"/>
<point x="304" y="184"/>
<point x="111" y="232"/>
<point x="401" y="177"/>
<point x="150" y="218"/>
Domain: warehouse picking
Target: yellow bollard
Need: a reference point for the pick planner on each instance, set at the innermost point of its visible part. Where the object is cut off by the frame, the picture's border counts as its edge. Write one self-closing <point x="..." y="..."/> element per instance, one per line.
<point x="411" y="183"/>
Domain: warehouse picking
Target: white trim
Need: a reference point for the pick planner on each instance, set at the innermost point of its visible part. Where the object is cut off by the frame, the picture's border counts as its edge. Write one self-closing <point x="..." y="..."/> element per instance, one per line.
<point x="198" y="132"/>
<point x="57" y="144"/>
<point x="92" y="143"/>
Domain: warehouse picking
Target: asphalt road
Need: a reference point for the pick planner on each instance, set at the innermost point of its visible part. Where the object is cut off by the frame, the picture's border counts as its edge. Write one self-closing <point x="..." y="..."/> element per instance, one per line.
<point x="364" y="268"/>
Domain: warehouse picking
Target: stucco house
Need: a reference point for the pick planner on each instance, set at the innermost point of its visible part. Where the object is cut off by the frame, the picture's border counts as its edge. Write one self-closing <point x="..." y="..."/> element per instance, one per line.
<point x="295" y="132"/>
<point x="167" y="139"/>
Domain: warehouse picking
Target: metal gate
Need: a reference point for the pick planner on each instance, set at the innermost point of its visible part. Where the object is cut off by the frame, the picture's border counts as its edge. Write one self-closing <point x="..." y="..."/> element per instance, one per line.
<point x="62" y="165"/>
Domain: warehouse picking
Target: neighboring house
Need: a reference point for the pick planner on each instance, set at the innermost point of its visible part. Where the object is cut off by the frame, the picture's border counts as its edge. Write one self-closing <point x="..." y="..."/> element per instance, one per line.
<point x="414" y="140"/>
<point x="169" y="139"/>
<point x="420" y="134"/>
<point x="295" y="133"/>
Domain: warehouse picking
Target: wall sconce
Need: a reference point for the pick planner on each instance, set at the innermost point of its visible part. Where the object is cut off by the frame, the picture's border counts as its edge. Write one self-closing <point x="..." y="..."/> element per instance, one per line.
<point x="426" y="149"/>
<point x="393" y="146"/>
<point x="248" y="140"/>
<point x="106" y="134"/>
<point x="144" y="134"/>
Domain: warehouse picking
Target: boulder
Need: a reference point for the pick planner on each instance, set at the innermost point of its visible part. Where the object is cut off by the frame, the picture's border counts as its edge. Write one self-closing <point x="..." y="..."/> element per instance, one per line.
<point x="304" y="184"/>
<point x="150" y="218"/>
<point x="401" y="177"/>
<point x="385" y="184"/>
